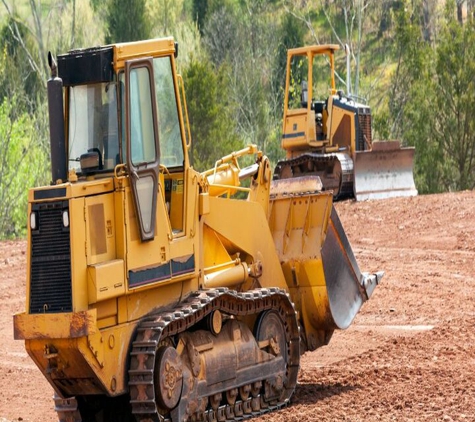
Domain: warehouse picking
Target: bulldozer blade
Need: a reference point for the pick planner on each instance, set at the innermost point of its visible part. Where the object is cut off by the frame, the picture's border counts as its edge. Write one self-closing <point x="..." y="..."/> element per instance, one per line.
<point x="384" y="172"/>
<point x="347" y="287"/>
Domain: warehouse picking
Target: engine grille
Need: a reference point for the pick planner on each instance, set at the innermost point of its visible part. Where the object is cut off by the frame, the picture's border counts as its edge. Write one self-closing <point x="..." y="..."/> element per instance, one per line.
<point x="50" y="277"/>
<point x="364" y="140"/>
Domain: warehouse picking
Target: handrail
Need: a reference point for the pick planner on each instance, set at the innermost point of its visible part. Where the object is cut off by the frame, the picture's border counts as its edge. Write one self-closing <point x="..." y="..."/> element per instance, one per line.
<point x="185" y="108"/>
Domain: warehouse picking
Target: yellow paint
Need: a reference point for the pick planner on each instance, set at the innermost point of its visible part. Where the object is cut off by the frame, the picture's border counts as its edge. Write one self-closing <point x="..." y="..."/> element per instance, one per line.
<point x="227" y="238"/>
<point x="106" y="280"/>
<point x="65" y="325"/>
<point x="302" y="120"/>
<point x="299" y="224"/>
<point x="79" y="252"/>
<point x="99" y="209"/>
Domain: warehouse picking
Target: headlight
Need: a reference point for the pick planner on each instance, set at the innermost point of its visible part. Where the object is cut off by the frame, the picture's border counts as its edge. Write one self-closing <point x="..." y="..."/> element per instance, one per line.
<point x="65" y="218"/>
<point x="33" y="221"/>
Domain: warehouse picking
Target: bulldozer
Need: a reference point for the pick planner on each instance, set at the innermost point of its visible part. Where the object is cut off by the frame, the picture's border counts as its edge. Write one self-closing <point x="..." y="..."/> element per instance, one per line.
<point x="329" y="134"/>
<point x="155" y="292"/>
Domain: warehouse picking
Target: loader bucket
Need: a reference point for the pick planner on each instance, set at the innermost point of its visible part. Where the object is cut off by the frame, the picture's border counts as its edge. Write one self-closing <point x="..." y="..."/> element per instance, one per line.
<point x="347" y="287"/>
<point x="384" y="172"/>
<point x="320" y="268"/>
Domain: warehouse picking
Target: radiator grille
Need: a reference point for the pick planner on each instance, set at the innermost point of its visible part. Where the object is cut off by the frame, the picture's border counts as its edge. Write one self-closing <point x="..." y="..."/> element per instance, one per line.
<point x="50" y="277"/>
<point x="364" y="139"/>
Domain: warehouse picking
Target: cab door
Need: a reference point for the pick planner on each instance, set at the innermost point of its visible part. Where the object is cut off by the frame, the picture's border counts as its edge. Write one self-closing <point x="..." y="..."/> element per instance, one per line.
<point x="143" y="151"/>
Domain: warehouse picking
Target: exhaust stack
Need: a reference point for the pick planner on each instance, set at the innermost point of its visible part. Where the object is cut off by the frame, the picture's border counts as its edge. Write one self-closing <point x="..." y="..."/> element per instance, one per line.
<point x="348" y="70"/>
<point x="56" y="124"/>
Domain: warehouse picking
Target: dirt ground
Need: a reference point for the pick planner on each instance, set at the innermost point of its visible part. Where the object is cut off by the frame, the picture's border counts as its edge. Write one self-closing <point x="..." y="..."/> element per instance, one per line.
<point x="409" y="355"/>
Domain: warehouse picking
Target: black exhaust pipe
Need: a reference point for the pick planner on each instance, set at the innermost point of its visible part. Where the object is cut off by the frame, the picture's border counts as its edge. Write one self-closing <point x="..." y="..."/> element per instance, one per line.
<point x="59" y="167"/>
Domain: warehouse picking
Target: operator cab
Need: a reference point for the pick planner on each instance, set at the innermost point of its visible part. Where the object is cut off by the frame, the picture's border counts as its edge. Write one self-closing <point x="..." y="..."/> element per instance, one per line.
<point x="310" y="82"/>
<point x="122" y="109"/>
<point x="95" y="109"/>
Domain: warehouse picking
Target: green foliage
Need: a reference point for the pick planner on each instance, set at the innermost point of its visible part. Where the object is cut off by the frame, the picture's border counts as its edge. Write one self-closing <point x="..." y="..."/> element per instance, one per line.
<point x="212" y="125"/>
<point x="432" y="100"/>
<point x="292" y="34"/>
<point x="454" y="127"/>
<point x="413" y="59"/>
<point x="240" y="38"/>
<point x="189" y="43"/>
<point x="127" y="20"/>
<point x="415" y="64"/>
<point x="16" y="75"/>
<point x="23" y="109"/>
<point x="166" y="15"/>
<point x="96" y="4"/>
<point x="200" y="8"/>
<point x="21" y="166"/>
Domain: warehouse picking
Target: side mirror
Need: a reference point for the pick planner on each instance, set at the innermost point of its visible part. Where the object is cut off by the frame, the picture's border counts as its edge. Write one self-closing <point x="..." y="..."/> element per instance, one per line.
<point x="91" y="161"/>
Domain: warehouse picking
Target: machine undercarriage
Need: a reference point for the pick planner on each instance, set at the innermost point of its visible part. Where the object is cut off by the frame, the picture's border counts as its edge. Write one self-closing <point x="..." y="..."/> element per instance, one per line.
<point x="200" y="361"/>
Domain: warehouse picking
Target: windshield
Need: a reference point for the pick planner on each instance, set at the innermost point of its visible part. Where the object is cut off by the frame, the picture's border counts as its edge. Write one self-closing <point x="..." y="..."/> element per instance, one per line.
<point x="93" y="124"/>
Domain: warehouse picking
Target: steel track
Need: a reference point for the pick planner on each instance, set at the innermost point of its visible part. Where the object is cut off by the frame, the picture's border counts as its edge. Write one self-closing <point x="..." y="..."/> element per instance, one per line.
<point x="345" y="185"/>
<point x="155" y="328"/>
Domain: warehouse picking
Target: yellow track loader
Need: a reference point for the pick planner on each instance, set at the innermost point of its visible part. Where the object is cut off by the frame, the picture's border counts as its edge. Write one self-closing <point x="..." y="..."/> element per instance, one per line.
<point x="158" y="293"/>
<point x="328" y="134"/>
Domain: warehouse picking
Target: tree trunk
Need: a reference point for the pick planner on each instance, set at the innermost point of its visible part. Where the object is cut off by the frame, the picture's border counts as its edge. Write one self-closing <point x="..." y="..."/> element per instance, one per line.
<point x="73" y="28"/>
<point x="459" y="11"/>
<point x="471" y="8"/>
<point x="427" y="21"/>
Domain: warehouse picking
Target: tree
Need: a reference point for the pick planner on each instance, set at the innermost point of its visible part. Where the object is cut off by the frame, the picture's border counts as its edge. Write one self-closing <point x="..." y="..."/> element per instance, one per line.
<point x="459" y="4"/>
<point x="292" y="34"/>
<point x="241" y="39"/>
<point x="20" y="154"/>
<point x="127" y="20"/>
<point x="16" y="76"/>
<point x="339" y="21"/>
<point x="166" y="15"/>
<point x="454" y="128"/>
<point x="433" y="100"/>
<point x="199" y="11"/>
<point x="23" y="108"/>
<point x="411" y="95"/>
<point x="213" y="128"/>
<point x="411" y="56"/>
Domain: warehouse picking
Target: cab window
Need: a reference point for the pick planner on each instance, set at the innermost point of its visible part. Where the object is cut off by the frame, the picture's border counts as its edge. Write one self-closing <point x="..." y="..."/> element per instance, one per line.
<point x="171" y="147"/>
<point x="142" y="140"/>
